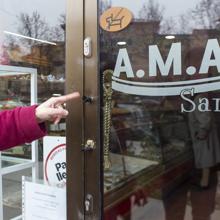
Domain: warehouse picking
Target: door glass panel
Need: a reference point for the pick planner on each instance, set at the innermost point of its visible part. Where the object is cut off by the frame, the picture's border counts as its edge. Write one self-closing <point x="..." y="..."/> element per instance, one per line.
<point x="160" y="104"/>
<point x="32" y="36"/>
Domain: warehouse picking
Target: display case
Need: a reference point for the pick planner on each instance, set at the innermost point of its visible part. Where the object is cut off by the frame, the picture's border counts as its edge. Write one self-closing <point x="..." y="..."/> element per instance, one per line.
<point x="147" y="149"/>
<point x="150" y="152"/>
<point x="18" y="88"/>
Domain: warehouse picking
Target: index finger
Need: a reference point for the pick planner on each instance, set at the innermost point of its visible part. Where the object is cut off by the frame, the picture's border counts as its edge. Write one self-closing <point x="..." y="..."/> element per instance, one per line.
<point x="65" y="98"/>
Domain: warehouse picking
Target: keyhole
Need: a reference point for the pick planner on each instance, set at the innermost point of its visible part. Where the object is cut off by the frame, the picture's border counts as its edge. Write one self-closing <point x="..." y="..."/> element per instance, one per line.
<point x="87" y="204"/>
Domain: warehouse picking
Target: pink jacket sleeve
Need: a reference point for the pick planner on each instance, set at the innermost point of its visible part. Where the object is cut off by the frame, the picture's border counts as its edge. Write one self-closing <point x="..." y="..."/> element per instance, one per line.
<point x="19" y="126"/>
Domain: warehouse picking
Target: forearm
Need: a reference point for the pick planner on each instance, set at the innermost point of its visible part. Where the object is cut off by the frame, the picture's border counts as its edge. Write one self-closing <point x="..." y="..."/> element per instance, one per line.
<point x="19" y="126"/>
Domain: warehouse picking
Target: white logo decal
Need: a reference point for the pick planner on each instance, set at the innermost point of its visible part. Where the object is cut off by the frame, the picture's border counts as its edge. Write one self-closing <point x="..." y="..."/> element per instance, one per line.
<point x="123" y="67"/>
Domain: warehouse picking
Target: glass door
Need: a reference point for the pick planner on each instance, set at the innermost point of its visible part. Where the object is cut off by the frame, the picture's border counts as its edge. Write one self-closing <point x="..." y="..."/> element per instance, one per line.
<point x="159" y="71"/>
<point x="143" y="142"/>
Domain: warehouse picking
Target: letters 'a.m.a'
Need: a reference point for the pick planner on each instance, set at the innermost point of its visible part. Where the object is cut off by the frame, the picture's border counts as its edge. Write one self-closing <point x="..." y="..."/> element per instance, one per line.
<point x="209" y="57"/>
<point x="125" y="78"/>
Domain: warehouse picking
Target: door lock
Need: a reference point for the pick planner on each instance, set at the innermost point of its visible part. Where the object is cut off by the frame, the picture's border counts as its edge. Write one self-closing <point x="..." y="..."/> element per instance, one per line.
<point x="89" y="146"/>
<point x="87" y="99"/>
<point x="88" y="204"/>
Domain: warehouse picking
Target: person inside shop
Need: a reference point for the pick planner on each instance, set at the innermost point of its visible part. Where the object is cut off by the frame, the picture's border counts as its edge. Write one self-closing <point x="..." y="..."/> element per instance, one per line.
<point x="26" y="124"/>
<point x="203" y="129"/>
<point x="205" y="141"/>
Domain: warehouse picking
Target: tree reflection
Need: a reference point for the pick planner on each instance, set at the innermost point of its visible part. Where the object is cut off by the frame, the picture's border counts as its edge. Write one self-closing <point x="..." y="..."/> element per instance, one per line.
<point x="151" y="11"/>
<point x="35" y="26"/>
<point x="205" y="15"/>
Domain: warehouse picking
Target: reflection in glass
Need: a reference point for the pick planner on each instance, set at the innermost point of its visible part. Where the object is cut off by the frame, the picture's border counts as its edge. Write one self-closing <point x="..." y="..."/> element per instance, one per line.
<point x="32" y="34"/>
<point x="152" y="148"/>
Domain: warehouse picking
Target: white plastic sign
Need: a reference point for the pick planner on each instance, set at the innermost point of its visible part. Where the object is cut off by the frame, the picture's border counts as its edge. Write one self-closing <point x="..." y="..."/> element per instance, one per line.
<point x="55" y="160"/>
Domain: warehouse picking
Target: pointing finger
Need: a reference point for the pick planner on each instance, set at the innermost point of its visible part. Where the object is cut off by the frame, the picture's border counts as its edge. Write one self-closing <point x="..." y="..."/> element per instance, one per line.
<point x="52" y="102"/>
<point x="65" y="98"/>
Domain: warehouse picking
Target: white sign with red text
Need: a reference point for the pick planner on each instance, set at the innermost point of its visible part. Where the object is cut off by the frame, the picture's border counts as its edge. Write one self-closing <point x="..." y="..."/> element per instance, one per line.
<point x="55" y="160"/>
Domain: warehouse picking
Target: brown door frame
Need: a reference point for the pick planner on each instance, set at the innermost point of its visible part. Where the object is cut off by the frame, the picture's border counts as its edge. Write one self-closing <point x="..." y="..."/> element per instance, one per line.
<point x="92" y="111"/>
<point x="83" y="123"/>
<point x="74" y="123"/>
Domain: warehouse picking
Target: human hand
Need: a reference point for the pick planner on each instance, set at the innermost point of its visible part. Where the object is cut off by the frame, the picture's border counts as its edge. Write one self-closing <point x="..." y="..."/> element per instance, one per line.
<point x="52" y="110"/>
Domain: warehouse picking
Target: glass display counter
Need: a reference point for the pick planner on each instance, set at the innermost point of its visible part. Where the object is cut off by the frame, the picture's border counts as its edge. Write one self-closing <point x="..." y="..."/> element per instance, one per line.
<point x="122" y="168"/>
<point x="150" y="154"/>
<point x="142" y="138"/>
<point x="12" y="95"/>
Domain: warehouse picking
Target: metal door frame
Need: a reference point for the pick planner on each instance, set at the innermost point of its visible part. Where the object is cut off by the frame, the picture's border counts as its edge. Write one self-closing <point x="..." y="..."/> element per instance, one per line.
<point x="83" y="167"/>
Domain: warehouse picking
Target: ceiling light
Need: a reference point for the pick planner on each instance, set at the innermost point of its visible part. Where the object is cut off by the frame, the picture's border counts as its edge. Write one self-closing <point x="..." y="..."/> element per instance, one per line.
<point x="170" y="37"/>
<point x="121" y="43"/>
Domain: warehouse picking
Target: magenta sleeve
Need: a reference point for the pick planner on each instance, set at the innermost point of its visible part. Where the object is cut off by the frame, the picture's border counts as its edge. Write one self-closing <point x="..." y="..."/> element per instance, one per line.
<point x="19" y="126"/>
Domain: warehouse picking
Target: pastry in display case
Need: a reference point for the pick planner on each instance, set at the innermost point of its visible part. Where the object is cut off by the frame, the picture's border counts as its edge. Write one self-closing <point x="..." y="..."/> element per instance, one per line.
<point x="15" y="92"/>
